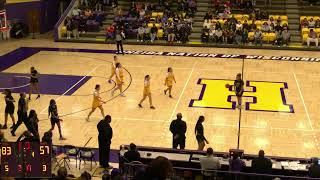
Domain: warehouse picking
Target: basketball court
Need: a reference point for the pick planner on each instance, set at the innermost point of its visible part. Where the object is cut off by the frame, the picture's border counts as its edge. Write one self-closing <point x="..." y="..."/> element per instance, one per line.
<point x="280" y="109"/>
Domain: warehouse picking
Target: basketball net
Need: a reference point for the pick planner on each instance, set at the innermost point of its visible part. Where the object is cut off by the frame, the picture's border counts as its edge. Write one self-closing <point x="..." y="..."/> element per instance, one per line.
<point x="3" y="20"/>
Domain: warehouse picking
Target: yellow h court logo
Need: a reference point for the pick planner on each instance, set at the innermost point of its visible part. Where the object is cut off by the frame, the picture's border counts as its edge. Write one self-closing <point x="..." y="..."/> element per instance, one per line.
<point x="265" y="96"/>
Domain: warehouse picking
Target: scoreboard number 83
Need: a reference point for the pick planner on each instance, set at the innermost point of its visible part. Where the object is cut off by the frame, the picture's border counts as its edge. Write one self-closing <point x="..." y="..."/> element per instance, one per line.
<point x="25" y="159"/>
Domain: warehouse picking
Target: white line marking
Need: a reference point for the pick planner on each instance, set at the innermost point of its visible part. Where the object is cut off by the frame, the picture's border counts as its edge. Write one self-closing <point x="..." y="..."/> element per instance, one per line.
<point x="305" y="108"/>
<point x="58" y="98"/>
<point x="181" y="94"/>
<point x="304" y="105"/>
<point x="17" y="87"/>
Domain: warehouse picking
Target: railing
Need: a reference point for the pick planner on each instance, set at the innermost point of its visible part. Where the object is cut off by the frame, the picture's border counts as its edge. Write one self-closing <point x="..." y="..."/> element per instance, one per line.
<point x="60" y="23"/>
<point x="133" y="169"/>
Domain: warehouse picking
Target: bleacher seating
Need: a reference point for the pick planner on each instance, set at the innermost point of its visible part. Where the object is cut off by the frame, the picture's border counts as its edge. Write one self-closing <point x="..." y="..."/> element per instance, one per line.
<point x="305" y="29"/>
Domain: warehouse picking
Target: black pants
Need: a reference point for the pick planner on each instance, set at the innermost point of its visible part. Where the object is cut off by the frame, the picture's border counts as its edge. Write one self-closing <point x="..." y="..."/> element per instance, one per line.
<point x="119" y="46"/>
<point x="22" y="118"/>
<point x="178" y="142"/>
<point x="104" y="153"/>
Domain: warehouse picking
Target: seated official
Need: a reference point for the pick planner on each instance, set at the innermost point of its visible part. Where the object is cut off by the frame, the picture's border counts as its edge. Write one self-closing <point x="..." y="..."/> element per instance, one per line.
<point x="261" y="165"/>
<point x="132" y="154"/>
<point x="314" y="169"/>
<point x="209" y="163"/>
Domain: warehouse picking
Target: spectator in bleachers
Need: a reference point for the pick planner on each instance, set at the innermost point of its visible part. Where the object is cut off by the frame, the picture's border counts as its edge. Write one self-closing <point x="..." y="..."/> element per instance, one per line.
<point x="311" y="23"/>
<point x="253" y="25"/>
<point x="212" y="33"/>
<point x="171" y="35"/>
<point x="245" y="36"/>
<point x="205" y="35"/>
<point x="76" y="11"/>
<point x="304" y="23"/>
<point x="219" y="36"/>
<point x="110" y="32"/>
<point x="278" y="27"/>
<point x="245" y="25"/>
<point x="314" y="169"/>
<point x="153" y="32"/>
<point x="265" y="27"/>
<point x="88" y="13"/>
<point x="227" y="3"/>
<point x="85" y="176"/>
<point x="61" y="174"/>
<point x="278" y="40"/>
<point x="312" y="37"/>
<point x="227" y="35"/>
<point x="68" y="24"/>
<point x="271" y="21"/>
<point x="82" y="24"/>
<point x="317" y="24"/>
<point x="209" y="163"/>
<point x="286" y="35"/>
<point x="206" y="24"/>
<point x="75" y="28"/>
<point x="239" y="25"/>
<point x="132" y="154"/>
<point x="258" y="37"/>
<point x="208" y="16"/>
<point x="140" y="35"/>
<point x="178" y="129"/>
<point x="238" y="36"/>
<point x="159" y="169"/>
<point x="261" y="165"/>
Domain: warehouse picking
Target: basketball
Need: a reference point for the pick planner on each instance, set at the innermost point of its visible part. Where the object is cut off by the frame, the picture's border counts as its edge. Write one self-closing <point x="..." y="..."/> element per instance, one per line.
<point x="227" y="85"/>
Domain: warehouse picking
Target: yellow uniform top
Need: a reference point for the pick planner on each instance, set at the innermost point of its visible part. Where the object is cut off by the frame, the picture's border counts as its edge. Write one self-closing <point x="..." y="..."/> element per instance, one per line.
<point x="96" y="100"/>
<point x="113" y="67"/>
<point x="146" y="89"/>
<point x="169" y="79"/>
<point x="119" y="75"/>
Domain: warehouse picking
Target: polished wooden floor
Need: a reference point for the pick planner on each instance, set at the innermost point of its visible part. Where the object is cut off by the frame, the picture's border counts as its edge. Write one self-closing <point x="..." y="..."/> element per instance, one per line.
<point x="281" y="134"/>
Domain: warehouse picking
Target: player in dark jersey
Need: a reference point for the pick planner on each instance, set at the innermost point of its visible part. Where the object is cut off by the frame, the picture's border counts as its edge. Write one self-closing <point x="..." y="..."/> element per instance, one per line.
<point x="9" y="110"/>
<point x="238" y="89"/>
<point x="54" y="117"/>
<point x="34" y="82"/>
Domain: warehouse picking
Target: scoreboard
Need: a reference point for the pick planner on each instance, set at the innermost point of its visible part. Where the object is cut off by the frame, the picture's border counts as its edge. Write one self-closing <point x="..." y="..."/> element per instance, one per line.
<point x="25" y="159"/>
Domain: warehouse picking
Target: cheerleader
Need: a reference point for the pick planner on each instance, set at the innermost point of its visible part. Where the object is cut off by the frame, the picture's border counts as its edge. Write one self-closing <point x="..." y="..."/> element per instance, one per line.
<point x="113" y="68"/>
<point x="9" y="110"/>
<point x="97" y="102"/>
<point x="54" y="117"/>
<point x="238" y="89"/>
<point x="169" y="81"/>
<point x="34" y="82"/>
<point x="146" y="92"/>
<point x="119" y="80"/>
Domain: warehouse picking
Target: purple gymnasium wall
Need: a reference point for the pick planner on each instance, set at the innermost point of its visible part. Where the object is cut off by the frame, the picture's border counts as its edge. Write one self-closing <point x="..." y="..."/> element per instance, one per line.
<point x="48" y="12"/>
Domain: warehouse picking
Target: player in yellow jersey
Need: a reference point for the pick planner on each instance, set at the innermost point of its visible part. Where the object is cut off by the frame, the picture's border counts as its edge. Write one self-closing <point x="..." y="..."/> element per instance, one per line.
<point x="169" y="81"/>
<point x="113" y="68"/>
<point x="146" y="92"/>
<point x="97" y="102"/>
<point x="119" y="80"/>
